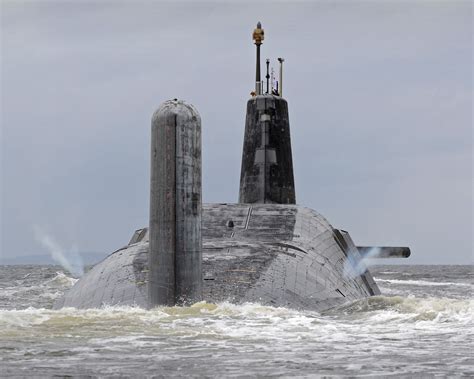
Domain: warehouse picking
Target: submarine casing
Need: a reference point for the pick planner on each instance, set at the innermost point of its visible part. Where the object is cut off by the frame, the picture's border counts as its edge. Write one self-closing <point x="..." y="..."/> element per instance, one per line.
<point x="275" y="254"/>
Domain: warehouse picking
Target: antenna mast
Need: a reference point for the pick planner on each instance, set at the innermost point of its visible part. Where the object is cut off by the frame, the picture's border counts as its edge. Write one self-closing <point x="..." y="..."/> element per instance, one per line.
<point x="280" y="83"/>
<point x="258" y="36"/>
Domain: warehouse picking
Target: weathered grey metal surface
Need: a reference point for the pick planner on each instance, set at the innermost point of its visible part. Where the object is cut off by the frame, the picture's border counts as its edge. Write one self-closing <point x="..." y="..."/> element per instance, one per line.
<point x="175" y="256"/>
<point x="281" y="255"/>
<point x="267" y="164"/>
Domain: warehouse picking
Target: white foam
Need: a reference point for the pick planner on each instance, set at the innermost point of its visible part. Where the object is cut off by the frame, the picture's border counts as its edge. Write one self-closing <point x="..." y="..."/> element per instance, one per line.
<point x="47" y="289"/>
<point x="423" y="283"/>
<point x="250" y="320"/>
<point x="62" y="279"/>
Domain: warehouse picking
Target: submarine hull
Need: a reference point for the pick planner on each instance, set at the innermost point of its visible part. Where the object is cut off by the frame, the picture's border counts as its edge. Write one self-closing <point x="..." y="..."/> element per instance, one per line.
<point x="279" y="255"/>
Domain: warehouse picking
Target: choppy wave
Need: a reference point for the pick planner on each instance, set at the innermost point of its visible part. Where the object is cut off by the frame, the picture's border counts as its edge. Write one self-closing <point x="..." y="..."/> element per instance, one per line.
<point x="27" y="293"/>
<point x="375" y="310"/>
<point x="61" y="279"/>
<point x="428" y="333"/>
<point x="423" y="283"/>
<point x="438" y="310"/>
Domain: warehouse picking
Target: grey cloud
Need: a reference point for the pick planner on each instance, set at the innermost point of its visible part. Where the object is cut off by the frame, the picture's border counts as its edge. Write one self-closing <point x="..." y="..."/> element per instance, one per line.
<point x="380" y="101"/>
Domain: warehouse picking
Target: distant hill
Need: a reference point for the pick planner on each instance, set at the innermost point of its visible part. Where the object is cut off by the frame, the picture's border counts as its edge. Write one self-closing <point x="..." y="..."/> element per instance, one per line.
<point x="88" y="258"/>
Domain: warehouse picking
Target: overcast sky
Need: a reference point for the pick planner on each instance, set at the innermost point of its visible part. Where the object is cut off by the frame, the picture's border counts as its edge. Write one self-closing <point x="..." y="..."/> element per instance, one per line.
<point x="379" y="94"/>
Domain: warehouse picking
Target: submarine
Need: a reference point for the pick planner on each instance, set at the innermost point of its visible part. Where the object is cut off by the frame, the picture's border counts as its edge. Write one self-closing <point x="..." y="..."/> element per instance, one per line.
<point x="264" y="249"/>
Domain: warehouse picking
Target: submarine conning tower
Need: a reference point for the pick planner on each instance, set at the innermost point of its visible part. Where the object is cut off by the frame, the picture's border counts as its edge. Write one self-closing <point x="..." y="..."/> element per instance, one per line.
<point x="267" y="164"/>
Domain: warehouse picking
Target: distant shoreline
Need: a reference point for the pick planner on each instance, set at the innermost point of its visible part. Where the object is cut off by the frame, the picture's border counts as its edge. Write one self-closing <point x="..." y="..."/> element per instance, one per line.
<point x="387" y="263"/>
<point x="46" y="260"/>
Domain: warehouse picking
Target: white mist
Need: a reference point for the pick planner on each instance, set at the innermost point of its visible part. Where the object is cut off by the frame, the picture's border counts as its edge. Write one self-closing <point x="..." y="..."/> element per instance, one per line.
<point x="70" y="260"/>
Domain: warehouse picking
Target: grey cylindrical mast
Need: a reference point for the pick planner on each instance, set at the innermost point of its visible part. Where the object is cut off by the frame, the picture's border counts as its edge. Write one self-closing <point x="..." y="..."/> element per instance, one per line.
<point x="258" y="36"/>
<point x="280" y="91"/>
<point x="268" y="77"/>
<point x="175" y="250"/>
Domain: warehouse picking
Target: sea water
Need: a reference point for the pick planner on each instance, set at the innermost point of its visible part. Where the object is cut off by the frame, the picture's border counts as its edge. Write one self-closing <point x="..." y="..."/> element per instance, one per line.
<point x="422" y="326"/>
